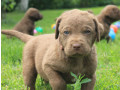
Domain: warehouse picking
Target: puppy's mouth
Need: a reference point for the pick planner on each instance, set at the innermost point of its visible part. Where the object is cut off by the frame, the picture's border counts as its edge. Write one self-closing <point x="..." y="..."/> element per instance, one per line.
<point x="38" y="18"/>
<point x="76" y="55"/>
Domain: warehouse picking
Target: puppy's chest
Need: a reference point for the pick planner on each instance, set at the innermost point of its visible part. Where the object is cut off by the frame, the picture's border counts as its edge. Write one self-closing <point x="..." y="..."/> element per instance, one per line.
<point x="75" y="66"/>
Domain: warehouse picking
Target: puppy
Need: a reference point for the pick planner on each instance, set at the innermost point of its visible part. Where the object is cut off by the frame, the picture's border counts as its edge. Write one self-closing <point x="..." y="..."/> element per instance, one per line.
<point x="72" y="50"/>
<point x="26" y="25"/>
<point x="108" y="15"/>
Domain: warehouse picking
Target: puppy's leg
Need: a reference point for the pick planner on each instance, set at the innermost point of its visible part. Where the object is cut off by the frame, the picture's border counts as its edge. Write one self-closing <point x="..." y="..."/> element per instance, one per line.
<point x="55" y="80"/>
<point x="29" y="73"/>
<point x="89" y="85"/>
<point x="108" y="39"/>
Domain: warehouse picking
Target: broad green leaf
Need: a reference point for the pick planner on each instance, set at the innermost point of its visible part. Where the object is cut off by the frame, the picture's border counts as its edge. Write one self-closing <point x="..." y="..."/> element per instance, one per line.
<point x="86" y="80"/>
<point x="73" y="75"/>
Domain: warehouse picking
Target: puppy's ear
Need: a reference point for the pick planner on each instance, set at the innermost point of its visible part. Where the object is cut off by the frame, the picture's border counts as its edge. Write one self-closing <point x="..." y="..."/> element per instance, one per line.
<point x="98" y="28"/>
<point x="57" y="28"/>
<point x="90" y="11"/>
<point x="35" y="16"/>
<point x="113" y="14"/>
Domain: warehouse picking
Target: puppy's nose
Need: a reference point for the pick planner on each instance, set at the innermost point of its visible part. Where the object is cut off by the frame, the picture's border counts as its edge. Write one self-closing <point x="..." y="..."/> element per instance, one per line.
<point x="76" y="46"/>
<point x="41" y="16"/>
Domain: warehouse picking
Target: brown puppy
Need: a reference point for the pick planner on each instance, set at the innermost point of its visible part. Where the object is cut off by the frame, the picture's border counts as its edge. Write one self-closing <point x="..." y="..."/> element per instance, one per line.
<point x="72" y="51"/>
<point x="26" y="25"/>
<point x="108" y="15"/>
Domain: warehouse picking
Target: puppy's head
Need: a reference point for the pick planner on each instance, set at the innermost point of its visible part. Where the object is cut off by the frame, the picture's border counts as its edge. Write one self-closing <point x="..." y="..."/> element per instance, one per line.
<point x="34" y="14"/>
<point x="111" y="13"/>
<point x="77" y="31"/>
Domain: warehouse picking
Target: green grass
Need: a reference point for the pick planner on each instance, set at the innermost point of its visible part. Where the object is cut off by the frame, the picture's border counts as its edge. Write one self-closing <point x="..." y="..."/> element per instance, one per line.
<point x="108" y="70"/>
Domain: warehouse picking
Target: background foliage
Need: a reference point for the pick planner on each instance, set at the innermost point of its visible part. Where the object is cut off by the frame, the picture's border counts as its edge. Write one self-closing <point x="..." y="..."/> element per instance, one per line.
<point x="58" y="4"/>
<point x="10" y="5"/>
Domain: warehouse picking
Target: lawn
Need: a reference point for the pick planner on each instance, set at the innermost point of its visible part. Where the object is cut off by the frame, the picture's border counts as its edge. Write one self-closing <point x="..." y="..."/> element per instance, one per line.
<point x="108" y="70"/>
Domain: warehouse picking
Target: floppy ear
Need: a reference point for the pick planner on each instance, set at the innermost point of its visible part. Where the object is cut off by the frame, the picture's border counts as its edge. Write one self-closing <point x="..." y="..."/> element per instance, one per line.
<point x="98" y="28"/>
<point x="35" y="16"/>
<point x="57" y="28"/>
<point x="90" y="11"/>
<point x="113" y="14"/>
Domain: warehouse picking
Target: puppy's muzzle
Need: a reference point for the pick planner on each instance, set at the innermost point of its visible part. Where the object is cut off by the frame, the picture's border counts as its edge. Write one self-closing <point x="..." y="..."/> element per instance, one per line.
<point x="41" y="17"/>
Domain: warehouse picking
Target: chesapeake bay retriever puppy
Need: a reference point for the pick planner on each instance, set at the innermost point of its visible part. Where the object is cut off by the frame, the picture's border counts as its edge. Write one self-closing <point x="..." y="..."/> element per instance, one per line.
<point x="70" y="49"/>
<point x="108" y="15"/>
<point x="26" y="25"/>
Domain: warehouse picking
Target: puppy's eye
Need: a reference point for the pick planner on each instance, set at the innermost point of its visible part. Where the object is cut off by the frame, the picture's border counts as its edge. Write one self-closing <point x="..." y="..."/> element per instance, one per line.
<point x="66" y="32"/>
<point x="87" y="32"/>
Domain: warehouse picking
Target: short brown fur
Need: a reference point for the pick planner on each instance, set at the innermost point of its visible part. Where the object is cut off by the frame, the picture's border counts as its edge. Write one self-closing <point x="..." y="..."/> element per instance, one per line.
<point x="72" y="51"/>
<point x="27" y="23"/>
<point x="108" y="15"/>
